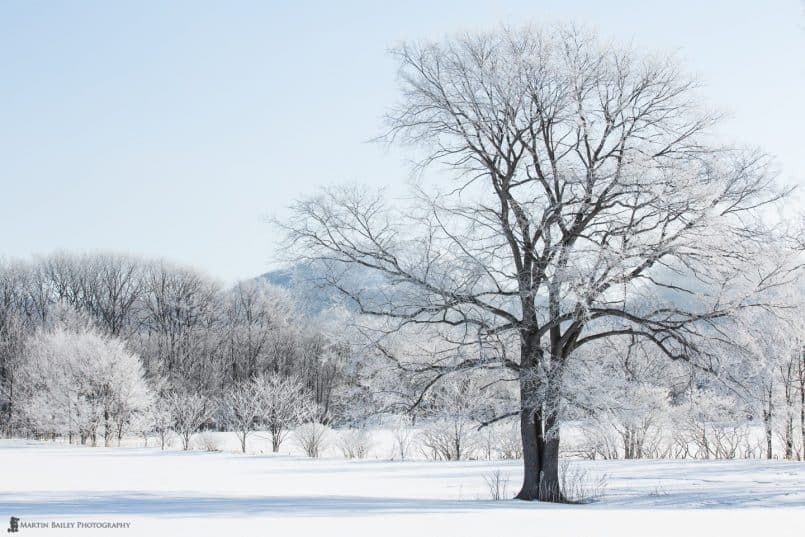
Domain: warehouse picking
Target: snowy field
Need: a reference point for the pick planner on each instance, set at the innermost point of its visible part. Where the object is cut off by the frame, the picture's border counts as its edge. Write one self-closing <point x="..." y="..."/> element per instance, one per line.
<point x="200" y="493"/>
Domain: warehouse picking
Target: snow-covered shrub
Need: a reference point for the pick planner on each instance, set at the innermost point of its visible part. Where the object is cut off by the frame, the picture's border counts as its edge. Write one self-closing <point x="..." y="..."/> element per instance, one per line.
<point x="313" y="438"/>
<point x="579" y="485"/>
<point x="404" y="437"/>
<point x="354" y="443"/>
<point x="448" y="440"/>
<point x="207" y="442"/>
<point x="456" y="405"/>
<point x="599" y="440"/>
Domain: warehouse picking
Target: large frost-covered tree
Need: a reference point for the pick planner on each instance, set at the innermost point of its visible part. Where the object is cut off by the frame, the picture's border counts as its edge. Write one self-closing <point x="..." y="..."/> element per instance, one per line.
<point x="77" y="382"/>
<point x="588" y="201"/>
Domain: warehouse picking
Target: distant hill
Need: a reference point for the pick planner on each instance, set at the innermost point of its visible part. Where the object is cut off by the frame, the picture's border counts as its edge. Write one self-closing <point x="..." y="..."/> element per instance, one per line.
<point x="307" y="283"/>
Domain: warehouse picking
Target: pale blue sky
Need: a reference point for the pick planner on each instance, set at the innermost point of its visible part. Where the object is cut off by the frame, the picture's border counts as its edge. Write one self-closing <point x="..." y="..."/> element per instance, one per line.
<point x="173" y="129"/>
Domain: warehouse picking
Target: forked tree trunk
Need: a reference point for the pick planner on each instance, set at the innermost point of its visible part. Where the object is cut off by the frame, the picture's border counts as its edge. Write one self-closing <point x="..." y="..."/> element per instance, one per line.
<point x="539" y="432"/>
<point x="540" y="458"/>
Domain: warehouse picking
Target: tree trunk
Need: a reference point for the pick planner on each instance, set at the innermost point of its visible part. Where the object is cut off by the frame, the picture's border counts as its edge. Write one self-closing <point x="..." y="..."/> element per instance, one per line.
<point x="10" y="410"/>
<point x="802" y="417"/>
<point x="789" y="437"/>
<point x="550" y="489"/>
<point x="540" y="458"/>
<point x="628" y="443"/>
<point x="107" y="436"/>
<point x="275" y="439"/>
<point x="539" y="433"/>
<point x="533" y="446"/>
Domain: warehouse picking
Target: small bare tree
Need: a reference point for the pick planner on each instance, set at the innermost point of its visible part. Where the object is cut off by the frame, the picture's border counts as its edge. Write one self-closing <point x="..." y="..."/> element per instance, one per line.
<point x="285" y="403"/>
<point x="190" y="411"/>
<point x="453" y="434"/>
<point x="242" y="408"/>
<point x="162" y="421"/>
<point x="403" y="435"/>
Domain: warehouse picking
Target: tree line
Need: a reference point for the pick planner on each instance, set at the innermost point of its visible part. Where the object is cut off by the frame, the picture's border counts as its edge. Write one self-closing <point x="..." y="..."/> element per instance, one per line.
<point x="96" y="348"/>
<point x="88" y="342"/>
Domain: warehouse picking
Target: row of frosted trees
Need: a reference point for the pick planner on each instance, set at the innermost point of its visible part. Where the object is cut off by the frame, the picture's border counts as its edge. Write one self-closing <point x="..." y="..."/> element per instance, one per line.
<point x="182" y="331"/>
<point x="78" y="384"/>
<point x="626" y="401"/>
<point x="634" y="403"/>
<point x="95" y="348"/>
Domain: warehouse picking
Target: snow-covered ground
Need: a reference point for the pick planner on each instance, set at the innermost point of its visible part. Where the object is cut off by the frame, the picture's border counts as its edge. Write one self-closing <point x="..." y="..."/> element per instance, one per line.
<point x="199" y="493"/>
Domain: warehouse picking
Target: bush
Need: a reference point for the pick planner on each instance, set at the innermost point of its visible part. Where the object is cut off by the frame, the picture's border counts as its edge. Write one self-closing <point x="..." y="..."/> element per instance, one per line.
<point x="444" y="440"/>
<point x="354" y="443"/>
<point x="403" y="440"/>
<point x="579" y="486"/>
<point x="312" y="438"/>
<point x="207" y="442"/>
<point x="497" y="483"/>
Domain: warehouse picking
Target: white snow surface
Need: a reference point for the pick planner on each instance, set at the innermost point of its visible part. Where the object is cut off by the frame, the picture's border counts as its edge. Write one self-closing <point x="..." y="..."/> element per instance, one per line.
<point x="227" y="493"/>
